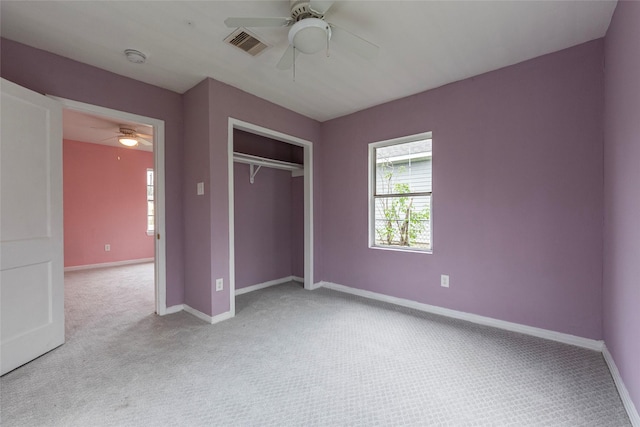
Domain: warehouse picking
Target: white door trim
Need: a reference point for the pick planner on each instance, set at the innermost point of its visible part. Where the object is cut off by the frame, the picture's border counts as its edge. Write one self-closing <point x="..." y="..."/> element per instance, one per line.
<point x="308" y="199"/>
<point x="159" y="175"/>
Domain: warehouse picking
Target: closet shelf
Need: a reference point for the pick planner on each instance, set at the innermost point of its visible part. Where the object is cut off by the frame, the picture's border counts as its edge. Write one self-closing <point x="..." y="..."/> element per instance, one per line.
<point x="263" y="161"/>
<point x="254" y="161"/>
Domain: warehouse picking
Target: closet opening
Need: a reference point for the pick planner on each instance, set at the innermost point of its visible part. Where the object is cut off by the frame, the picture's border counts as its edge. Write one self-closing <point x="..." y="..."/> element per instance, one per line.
<point x="270" y="209"/>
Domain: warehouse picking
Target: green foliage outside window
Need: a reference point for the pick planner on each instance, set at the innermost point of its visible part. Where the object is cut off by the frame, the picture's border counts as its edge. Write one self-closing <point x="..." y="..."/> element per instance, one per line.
<point x="402" y="221"/>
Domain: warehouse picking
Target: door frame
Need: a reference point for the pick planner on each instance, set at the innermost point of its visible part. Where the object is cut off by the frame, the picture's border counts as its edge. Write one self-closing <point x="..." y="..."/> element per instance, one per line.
<point x="160" y="273"/>
<point x="308" y="200"/>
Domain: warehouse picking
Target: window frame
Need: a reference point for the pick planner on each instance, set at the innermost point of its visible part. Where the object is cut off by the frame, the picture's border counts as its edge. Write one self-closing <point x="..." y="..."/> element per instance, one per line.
<point x="373" y="196"/>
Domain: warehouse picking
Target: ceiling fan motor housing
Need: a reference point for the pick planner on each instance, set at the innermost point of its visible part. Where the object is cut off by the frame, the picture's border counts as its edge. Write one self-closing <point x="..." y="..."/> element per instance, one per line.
<point x="127" y="131"/>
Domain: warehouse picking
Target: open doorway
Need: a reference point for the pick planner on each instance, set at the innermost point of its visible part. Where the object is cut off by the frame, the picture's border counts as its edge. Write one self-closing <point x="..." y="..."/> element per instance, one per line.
<point x="132" y="231"/>
<point x="301" y="167"/>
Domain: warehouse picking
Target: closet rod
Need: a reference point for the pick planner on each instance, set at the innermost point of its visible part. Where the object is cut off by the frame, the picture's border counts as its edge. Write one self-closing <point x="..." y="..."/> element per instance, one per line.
<point x="263" y="161"/>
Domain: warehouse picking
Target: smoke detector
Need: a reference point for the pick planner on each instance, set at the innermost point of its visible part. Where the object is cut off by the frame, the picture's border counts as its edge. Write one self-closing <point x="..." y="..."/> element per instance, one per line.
<point x="135" y="56"/>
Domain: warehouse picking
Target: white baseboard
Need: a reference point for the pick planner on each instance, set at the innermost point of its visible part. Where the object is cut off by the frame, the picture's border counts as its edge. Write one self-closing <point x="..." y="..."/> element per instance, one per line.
<point x="221" y="317"/>
<point x="474" y="318"/>
<point x="297" y="279"/>
<point x="622" y="390"/>
<point x="266" y="284"/>
<point x="209" y="319"/>
<point x="174" y="309"/>
<point x="317" y="285"/>
<point x="197" y="313"/>
<point x="108" y="264"/>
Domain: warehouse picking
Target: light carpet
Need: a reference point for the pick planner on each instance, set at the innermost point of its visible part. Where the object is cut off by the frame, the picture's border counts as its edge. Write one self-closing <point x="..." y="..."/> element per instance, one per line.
<point x="292" y="357"/>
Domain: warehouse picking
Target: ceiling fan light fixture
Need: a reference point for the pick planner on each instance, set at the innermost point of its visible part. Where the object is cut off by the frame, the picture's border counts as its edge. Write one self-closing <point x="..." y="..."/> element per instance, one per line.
<point x="128" y="141"/>
<point x="310" y="35"/>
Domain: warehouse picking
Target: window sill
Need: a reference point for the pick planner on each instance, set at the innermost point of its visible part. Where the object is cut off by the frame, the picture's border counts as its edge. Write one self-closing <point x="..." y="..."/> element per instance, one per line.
<point x="400" y="249"/>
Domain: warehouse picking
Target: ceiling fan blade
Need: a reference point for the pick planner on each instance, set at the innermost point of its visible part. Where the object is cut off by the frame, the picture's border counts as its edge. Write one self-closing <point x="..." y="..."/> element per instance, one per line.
<point x="145" y="135"/>
<point x="354" y="43"/>
<point x="144" y="141"/>
<point x="286" y="62"/>
<point x="320" y="7"/>
<point x="257" y="22"/>
<point x="111" y="137"/>
<point x="113" y="128"/>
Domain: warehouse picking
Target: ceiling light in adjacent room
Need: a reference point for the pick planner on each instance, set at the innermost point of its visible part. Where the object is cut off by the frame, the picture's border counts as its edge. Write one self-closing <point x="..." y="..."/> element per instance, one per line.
<point x="129" y="142"/>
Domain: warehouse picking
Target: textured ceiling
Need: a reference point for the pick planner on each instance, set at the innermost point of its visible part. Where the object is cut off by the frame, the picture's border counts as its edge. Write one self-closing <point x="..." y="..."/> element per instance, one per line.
<point x="423" y="44"/>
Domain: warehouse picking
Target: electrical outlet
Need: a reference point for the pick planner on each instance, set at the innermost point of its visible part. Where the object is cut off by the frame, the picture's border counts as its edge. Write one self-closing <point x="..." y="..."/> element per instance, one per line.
<point x="107" y="248"/>
<point x="444" y="280"/>
<point x="200" y="189"/>
<point x="219" y="285"/>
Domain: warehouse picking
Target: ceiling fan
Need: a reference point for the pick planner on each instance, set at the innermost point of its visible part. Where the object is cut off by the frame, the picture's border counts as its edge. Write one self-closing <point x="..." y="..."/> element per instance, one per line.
<point x="130" y="137"/>
<point x="309" y="32"/>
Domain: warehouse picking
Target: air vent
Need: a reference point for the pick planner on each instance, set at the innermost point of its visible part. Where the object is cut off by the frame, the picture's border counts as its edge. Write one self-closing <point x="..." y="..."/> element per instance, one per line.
<point x="244" y="40"/>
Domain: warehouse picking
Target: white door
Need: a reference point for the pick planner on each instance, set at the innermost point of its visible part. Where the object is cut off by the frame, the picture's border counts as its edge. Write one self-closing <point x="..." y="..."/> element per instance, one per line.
<point x="31" y="251"/>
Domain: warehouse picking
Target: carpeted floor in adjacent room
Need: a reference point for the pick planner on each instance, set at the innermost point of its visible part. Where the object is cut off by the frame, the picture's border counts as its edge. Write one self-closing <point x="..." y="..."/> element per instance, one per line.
<point x="292" y="357"/>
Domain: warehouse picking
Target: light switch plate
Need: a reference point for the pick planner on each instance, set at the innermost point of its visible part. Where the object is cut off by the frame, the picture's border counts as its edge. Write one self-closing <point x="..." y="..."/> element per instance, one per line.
<point x="200" y="190"/>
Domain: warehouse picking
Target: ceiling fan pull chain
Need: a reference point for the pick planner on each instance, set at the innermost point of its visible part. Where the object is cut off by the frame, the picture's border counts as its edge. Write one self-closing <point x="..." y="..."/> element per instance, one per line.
<point x="328" y="38"/>
<point x="294" y="63"/>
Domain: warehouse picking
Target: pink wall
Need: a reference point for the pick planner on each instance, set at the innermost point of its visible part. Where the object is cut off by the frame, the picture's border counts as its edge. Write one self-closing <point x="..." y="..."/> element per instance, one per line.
<point x="54" y="75"/>
<point x="518" y="202"/>
<point x="208" y="139"/>
<point x="262" y="216"/>
<point x="105" y="202"/>
<point x="621" y="183"/>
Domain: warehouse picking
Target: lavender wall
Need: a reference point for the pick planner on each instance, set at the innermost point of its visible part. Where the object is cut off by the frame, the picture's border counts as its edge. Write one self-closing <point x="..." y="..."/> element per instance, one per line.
<point x="518" y="203"/>
<point x="621" y="183"/>
<point x="197" y="248"/>
<point x="262" y="216"/>
<point x="54" y="75"/>
<point x="225" y="101"/>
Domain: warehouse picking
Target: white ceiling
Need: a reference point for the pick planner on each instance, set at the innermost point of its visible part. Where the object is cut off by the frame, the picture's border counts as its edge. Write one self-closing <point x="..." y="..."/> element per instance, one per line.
<point x="83" y="127"/>
<point x="423" y="44"/>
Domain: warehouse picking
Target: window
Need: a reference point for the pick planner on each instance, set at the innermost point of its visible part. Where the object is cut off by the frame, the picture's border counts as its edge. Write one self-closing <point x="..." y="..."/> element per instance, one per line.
<point x="150" y="215"/>
<point x="400" y="193"/>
